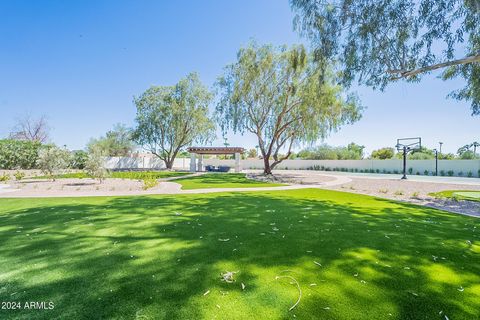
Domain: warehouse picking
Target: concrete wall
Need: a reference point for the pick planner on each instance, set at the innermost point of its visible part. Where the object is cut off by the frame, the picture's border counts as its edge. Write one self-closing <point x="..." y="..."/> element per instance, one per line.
<point x="457" y="166"/>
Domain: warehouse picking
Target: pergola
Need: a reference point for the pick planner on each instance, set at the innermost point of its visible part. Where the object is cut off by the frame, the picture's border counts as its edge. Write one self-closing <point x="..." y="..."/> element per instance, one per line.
<point x="212" y="150"/>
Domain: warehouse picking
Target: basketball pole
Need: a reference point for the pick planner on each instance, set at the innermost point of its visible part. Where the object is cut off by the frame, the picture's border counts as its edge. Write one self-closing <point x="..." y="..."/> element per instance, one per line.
<point x="404" y="162"/>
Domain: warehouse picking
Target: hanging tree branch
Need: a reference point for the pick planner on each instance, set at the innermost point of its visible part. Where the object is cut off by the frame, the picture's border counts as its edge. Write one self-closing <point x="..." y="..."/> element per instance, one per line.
<point x="410" y="73"/>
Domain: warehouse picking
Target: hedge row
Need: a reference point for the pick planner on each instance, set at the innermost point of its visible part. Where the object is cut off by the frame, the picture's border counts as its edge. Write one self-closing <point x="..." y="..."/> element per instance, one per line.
<point x="16" y="154"/>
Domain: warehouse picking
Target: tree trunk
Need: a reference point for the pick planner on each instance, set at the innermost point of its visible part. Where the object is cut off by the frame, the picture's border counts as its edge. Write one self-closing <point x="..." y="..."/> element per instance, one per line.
<point x="169" y="164"/>
<point x="267" y="169"/>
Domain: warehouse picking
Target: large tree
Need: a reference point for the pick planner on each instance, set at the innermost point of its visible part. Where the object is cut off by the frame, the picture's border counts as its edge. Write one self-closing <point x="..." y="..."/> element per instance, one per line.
<point x="380" y="41"/>
<point x="170" y="118"/>
<point x="283" y="97"/>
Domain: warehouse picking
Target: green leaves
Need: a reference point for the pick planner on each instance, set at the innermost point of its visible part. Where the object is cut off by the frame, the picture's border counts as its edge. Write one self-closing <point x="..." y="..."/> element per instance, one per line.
<point x="18" y="154"/>
<point x="172" y="117"/>
<point x="380" y="41"/>
<point x="284" y="97"/>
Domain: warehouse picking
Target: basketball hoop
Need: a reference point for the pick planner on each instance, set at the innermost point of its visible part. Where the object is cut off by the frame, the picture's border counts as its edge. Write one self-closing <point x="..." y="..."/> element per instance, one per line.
<point x="407" y="145"/>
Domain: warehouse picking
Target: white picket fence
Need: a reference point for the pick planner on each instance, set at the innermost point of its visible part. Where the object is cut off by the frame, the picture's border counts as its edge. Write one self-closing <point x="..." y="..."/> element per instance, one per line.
<point x="455" y="167"/>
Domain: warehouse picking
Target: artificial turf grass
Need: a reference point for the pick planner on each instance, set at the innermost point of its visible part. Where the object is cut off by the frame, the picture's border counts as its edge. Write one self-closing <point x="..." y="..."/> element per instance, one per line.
<point x="452" y="194"/>
<point x="135" y="175"/>
<point x="222" y="180"/>
<point x="156" y="256"/>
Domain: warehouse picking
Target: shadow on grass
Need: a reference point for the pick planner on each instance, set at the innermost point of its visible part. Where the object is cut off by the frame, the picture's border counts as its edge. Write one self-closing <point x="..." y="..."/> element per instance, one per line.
<point x="156" y="257"/>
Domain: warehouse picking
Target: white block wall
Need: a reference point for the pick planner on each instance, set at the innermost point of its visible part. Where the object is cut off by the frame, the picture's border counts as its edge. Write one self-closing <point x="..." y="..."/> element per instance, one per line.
<point x="457" y="166"/>
<point x="143" y="163"/>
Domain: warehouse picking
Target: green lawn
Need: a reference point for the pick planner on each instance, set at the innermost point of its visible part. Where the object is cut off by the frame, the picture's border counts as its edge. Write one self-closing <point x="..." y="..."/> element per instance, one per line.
<point x="160" y="257"/>
<point x="472" y="195"/>
<point x="136" y="175"/>
<point x="222" y="180"/>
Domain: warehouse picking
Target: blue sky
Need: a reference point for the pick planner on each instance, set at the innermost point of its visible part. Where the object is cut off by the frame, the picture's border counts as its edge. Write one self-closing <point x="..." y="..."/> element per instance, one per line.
<point x="81" y="62"/>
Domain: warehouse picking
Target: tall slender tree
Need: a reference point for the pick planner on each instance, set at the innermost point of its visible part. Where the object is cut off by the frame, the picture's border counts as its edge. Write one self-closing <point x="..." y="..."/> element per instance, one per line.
<point x="283" y="97"/>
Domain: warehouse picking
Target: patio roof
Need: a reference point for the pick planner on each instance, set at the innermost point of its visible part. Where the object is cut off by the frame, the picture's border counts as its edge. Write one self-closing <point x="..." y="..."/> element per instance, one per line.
<point x="216" y="150"/>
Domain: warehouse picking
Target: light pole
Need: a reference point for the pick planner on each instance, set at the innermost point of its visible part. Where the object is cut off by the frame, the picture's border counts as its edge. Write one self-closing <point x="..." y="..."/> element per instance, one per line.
<point x="436" y="162"/>
<point x="440" y="143"/>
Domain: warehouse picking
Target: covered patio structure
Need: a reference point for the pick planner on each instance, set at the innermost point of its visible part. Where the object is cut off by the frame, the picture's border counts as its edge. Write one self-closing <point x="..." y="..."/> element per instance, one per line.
<point x="198" y="166"/>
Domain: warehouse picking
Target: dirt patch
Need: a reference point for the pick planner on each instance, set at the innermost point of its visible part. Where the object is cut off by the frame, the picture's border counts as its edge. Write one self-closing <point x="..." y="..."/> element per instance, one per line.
<point x="76" y="187"/>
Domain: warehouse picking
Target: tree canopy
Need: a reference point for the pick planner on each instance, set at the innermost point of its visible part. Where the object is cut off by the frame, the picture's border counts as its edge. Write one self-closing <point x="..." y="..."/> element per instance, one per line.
<point x="283" y="97"/>
<point x="325" y="152"/>
<point x="30" y="129"/>
<point x="170" y="118"/>
<point x="380" y="41"/>
<point x="116" y="142"/>
<point x="383" y="153"/>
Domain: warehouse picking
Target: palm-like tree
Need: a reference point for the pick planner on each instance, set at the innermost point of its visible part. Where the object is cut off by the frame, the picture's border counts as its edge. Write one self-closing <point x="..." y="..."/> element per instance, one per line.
<point x="464" y="149"/>
<point x="475" y="145"/>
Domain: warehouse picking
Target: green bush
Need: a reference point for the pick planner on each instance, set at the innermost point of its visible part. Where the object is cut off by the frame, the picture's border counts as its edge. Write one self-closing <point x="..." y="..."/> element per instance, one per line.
<point x="19" y="175"/>
<point x="16" y="154"/>
<point x="450" y="173"/>
<point x="442" y="173"/>
<point x="149" y="183"/>
<point x="470" y="174"/>
<point x="78" y="160"/>
<point x="425" y="172"/>
<point x="4" y="177"/>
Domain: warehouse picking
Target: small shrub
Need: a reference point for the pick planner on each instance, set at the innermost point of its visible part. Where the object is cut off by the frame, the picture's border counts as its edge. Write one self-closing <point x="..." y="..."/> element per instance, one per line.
<point x="383" y="190"/>
<point x="389" y="172"/>
<point x="415" y="194"/>
<point x="356" y="170"/>
<point x="377" y="170"/>
<point x="442" y="173"/>
<point x="51" y="159"/>
<point x="384" y="171"/>
<point x="478" y="173"/>
<point x="425" y="172"/>
<point x="94" y="166"/>
<point x="470" y="174"/>
<point x="399" y="193"/>
<point x="460" y="173"/>
<point x="19" y="175"/>
<point x="395" y="171"/>
<point x="4" y="177"/>
<point x="450" y="173"/>
<point x="410" y="170"/>
<point x="418" y="173"/>
<point x="149" y="183"/>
